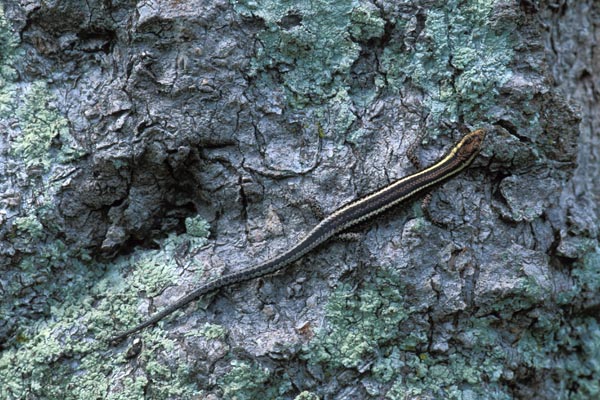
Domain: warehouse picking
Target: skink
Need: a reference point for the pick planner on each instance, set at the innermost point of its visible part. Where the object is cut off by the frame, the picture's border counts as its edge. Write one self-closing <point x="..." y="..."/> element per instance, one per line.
<point x="401" y="191"/>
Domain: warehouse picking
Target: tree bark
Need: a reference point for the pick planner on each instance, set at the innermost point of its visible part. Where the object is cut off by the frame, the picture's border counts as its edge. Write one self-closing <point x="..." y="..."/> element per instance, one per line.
<point x="150" y="146"/>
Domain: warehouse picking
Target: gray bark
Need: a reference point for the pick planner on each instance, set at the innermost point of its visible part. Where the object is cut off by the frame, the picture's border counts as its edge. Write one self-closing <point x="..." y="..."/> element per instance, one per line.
<point x="149" y="146"/>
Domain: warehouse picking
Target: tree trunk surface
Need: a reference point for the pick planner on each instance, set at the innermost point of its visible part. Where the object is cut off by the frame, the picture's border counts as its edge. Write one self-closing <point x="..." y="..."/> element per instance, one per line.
<point x="148" y="147"/>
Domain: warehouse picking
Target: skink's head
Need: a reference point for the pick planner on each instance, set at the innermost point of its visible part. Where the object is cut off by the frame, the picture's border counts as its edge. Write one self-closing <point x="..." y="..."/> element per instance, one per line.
<point x="470" y="145"/>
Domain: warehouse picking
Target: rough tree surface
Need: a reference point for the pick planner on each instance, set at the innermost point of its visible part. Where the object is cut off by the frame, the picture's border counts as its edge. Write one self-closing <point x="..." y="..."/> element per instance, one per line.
<point x="149" y="146"/>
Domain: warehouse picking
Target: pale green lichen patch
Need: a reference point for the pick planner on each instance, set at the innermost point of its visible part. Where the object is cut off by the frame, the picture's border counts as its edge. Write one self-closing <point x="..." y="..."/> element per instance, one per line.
<point x="568" y="351"/>
<point x="582" y="344"/>
<point x="457" y="375"/>
<point x="197" y="226"/>
<point x="213" y="332"/>
<point x="365" y="330"/>
<point x="360" y="334"/>
<point x="306" y="396"/>
<point x="482" y="360"/>
<point x="579" y="338"/>
<point x="460" y="63"/>
<point x="29" y="226"/>
<point x="358" y="322"/>
<point x="251" y="381"/>
<point x="57" y="303"/>
<point x="8" y="50"/>
<point x="246" y="381"/>
<point x="40" y="123"/>
<point x="83" y="319"/>
<point x="587" y="273"/>
<point x="365" y="22"/>
<point x="309" y="43"/>
<point x="311" y="47"/>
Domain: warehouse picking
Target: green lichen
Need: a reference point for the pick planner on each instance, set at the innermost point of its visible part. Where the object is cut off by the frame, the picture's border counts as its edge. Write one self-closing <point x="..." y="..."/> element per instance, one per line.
<point x="587" y="273"/>
<point x="29" y="226"/>
<point x="40" y="123"/>
<point x="579" y="338"/>
<point x="306" y="396"/>
<point x="364" y="331"/>
<point x="36" y="370"/>
<point x="568" y="351"/>
<point x="197" y="226"/>
<point x="8" y="48"/>
<point x="8" y="51"/>
<point x="310" y="48"/>
<point x="365" y="22"/>
<point x="460" y="63"/>
<point x="212" y="332"/>
<point x="582" y="342"/>
<point x="358" y="322"/>
<point x="458" y="69"/>
<point x="8" y="40"/>
<point x="249" y="382"/>
<point x="315" y="51"/>
<point x="66" y="357"/>
<point x="473" y="374"/>
<point x="481" y="366"/>
<point x="152" y="272"/>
